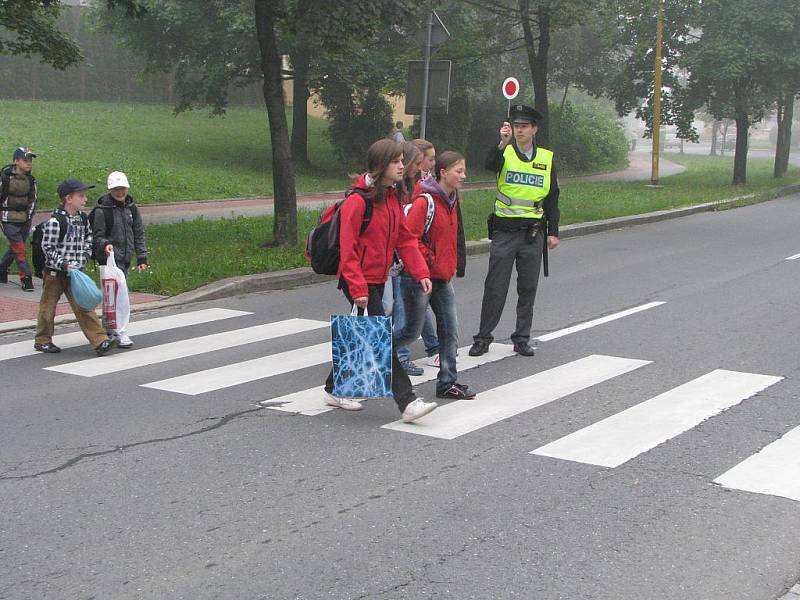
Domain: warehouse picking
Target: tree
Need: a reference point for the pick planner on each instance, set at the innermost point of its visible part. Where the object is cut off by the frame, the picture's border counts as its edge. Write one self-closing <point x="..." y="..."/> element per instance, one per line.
<point x="537" y="20"/>
<point x="732" y="65"/>
<point x="34" y="31"/>
<point x="626" y="72"/>
<point x="284" y="230"/>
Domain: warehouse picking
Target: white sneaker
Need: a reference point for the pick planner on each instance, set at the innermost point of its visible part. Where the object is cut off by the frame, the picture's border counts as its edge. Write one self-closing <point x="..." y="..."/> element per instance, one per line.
<point x="345" y="403"/>
<point x="123" y="341"/>
<point x="418" y="408"/>
<point x="433" y="361"/>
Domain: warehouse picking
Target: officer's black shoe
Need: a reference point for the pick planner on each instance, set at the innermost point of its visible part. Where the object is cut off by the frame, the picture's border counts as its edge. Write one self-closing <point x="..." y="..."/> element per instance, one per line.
<point x="523" y="349"/>
<point x="48" y="348"/>
<point x="478" y="348"/>
<point x="3" y="276"/>
<point x="103" y="347"/>
<point x="27" y="284"/>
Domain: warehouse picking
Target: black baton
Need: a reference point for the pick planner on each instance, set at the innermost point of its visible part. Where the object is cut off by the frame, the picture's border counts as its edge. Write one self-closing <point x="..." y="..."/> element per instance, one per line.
<point x="545" y="262"/>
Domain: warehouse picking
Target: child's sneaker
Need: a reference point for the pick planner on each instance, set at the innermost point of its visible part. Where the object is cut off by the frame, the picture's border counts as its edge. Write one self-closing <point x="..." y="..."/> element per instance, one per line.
<point x="123" y="341"/>
<point x="418" y="408"/>
<point x="411" y="369"/>
<point x="344" y="403"/>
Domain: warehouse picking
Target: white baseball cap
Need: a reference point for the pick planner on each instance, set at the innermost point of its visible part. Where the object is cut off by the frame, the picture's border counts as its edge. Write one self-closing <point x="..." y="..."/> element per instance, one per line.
<point x="117" y="179"/>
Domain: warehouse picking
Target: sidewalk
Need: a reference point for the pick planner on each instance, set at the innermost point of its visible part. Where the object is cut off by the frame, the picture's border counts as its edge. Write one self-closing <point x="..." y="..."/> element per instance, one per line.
<point x="18" y="309"/>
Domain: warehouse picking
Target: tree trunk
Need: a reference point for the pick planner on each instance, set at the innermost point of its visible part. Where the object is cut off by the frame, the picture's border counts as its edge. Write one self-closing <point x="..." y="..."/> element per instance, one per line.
<point x="537" y="61"/>
<point x="715" y="125"/>
<point x="740" y="158"/>
<point x="284" y="229"/>
<point x="784" y="143"/>
<point x="300" y="107"/>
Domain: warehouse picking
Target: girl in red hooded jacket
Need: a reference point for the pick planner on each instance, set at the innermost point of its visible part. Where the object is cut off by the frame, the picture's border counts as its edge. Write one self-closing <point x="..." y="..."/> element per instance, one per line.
<point x="441" y="246"/>
<point x="365" y="260"/>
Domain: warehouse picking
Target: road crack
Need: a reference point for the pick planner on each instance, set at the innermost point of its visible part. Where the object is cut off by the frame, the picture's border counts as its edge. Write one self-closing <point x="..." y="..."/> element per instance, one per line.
<point x="220" y="422"/>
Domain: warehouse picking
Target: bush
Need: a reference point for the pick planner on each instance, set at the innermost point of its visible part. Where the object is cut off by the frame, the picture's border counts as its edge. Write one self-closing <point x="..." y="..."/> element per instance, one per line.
<point x="357" y="119"/>
<point x="586" y="140"/>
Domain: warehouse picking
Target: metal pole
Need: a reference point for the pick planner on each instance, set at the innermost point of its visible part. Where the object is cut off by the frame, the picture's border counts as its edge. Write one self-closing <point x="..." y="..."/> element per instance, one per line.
<point x="657" y="94"/>
<point x="423" y="119"/>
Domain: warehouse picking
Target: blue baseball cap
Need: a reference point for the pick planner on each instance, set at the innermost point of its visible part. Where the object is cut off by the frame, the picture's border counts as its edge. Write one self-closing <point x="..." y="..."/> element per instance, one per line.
<point x="23" y="153"/>
<point x="68" y="186"/>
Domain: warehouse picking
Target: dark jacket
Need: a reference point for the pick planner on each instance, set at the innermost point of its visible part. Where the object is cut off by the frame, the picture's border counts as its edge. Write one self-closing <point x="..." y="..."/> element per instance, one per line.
<point x="126" y="235"/>
<point x="494" y="163"/>
<point x="442" y="247"/>
<point x="366" y="259"/>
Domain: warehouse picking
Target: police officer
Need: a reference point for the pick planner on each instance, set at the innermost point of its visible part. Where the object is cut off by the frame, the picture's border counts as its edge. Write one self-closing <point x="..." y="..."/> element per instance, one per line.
<point x="17" y="203"/>
<point x="525" y="211"/>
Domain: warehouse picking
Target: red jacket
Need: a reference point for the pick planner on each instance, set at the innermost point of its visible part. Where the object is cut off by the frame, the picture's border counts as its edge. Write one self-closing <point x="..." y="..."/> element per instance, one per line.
<point x="366" y="259"/>
<point x="441" y="253"/>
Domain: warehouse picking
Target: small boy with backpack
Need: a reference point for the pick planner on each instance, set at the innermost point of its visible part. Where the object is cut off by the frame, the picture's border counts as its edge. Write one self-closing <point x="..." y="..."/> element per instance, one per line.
<point x="63" y="243"/>
<point x="117" y="225"/>
<point x="18" y="195"/>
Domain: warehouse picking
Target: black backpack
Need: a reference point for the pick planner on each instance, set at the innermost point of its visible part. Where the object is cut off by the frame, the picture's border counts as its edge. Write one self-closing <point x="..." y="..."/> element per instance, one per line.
<point x="322" y="243"/>
<point x="37" y="252"/>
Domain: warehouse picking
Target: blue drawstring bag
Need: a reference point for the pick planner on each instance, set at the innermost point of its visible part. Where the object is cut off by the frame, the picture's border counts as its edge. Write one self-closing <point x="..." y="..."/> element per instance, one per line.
<point x="84" y="290"/>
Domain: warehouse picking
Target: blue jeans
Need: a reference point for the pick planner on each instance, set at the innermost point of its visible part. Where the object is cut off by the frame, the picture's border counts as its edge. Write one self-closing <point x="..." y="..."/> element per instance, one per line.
<point x="399" y="320"/>
<point x="443" y="302"/>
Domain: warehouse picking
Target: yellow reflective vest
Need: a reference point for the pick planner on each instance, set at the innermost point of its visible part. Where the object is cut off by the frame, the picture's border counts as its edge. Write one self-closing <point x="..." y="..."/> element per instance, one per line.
<point x="523" y="185"/>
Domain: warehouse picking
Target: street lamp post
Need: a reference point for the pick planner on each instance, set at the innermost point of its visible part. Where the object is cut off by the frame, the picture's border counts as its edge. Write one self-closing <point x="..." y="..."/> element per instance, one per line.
<point x="657" y="94"/>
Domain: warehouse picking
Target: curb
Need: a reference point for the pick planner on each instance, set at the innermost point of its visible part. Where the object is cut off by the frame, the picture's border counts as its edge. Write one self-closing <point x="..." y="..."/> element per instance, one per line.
<point x="282" y="280"/>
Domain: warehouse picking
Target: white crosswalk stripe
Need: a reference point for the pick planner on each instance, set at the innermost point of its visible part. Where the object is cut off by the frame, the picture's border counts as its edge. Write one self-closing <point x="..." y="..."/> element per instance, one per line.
<point x="775" y="470"/>
<point x="246" y="371"/>
<point x="594" y="322"/>
<point x="176" y="321"/>
<point x="457" y="418"/>
<point x="623" y="436"/>
<point x="185" y="348"/>
<point x="310" y="402"/>
<point x="610" y="442"/>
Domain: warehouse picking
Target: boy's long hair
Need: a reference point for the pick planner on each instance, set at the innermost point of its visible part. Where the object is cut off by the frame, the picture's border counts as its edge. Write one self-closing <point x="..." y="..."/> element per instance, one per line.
<point x="379" y="157"/>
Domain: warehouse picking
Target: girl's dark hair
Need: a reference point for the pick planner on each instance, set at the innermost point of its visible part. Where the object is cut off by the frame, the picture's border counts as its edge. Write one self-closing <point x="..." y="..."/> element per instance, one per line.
<point x="379" y="156"/>
<point x="445" y="160"/>
<point x="410" y="154"/>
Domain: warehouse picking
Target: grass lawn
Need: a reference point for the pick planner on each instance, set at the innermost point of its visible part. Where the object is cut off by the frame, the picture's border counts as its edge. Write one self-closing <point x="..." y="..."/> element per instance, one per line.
<point x="166" y="157"/>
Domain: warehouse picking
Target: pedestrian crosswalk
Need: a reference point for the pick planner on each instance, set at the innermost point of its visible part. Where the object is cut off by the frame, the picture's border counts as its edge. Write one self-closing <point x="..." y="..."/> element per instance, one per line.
<point x="608" y="443"/>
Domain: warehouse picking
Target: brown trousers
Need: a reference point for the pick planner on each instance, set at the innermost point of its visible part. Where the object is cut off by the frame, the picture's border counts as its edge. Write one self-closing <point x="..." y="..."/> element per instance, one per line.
<point x="52" y="288"/>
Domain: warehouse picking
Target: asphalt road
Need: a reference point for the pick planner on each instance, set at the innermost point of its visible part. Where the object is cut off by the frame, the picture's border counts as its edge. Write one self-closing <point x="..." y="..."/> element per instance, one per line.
<point x="114" y="490"/>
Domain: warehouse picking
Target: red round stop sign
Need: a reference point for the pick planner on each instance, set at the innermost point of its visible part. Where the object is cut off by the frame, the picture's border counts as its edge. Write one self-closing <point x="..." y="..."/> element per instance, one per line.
<point x="510" y="88"/>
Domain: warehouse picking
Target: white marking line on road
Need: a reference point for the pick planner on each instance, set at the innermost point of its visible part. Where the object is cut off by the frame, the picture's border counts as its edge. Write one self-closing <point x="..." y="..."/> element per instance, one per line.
<point x="76" y="338"/>
<point x="795" y="257"/>
<point x="463" y="416"/>
<point x="623" y="436"/>
<point x="310" y="402"/>
<point x="581" y="326"/>
<point x="775" y="470"/>
<point x="246" y="371"/>
<point x="184" y="348"/>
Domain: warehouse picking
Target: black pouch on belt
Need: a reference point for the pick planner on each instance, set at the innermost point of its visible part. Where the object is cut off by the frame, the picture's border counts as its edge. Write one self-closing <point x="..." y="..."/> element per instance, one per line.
<point x="490" y="225"/>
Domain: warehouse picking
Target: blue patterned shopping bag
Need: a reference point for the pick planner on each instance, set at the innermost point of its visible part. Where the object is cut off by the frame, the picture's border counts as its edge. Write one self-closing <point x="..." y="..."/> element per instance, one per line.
<point x="362" y="355"/>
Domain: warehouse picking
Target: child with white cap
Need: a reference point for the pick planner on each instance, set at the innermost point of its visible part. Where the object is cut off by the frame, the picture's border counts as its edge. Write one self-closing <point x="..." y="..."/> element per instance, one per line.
<point x="117" y="225"/>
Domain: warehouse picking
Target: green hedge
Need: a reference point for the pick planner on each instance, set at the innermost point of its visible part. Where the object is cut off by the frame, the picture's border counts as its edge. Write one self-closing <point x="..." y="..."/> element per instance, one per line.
<point x="586" y="140"/>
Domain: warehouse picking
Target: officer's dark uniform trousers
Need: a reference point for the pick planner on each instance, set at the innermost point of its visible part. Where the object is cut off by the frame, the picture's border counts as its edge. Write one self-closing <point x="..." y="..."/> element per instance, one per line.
<point x="509" y="247"/>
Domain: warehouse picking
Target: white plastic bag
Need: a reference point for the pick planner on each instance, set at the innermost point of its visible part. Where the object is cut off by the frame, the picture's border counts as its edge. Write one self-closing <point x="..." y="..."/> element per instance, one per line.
<point x="116" y="304"/>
